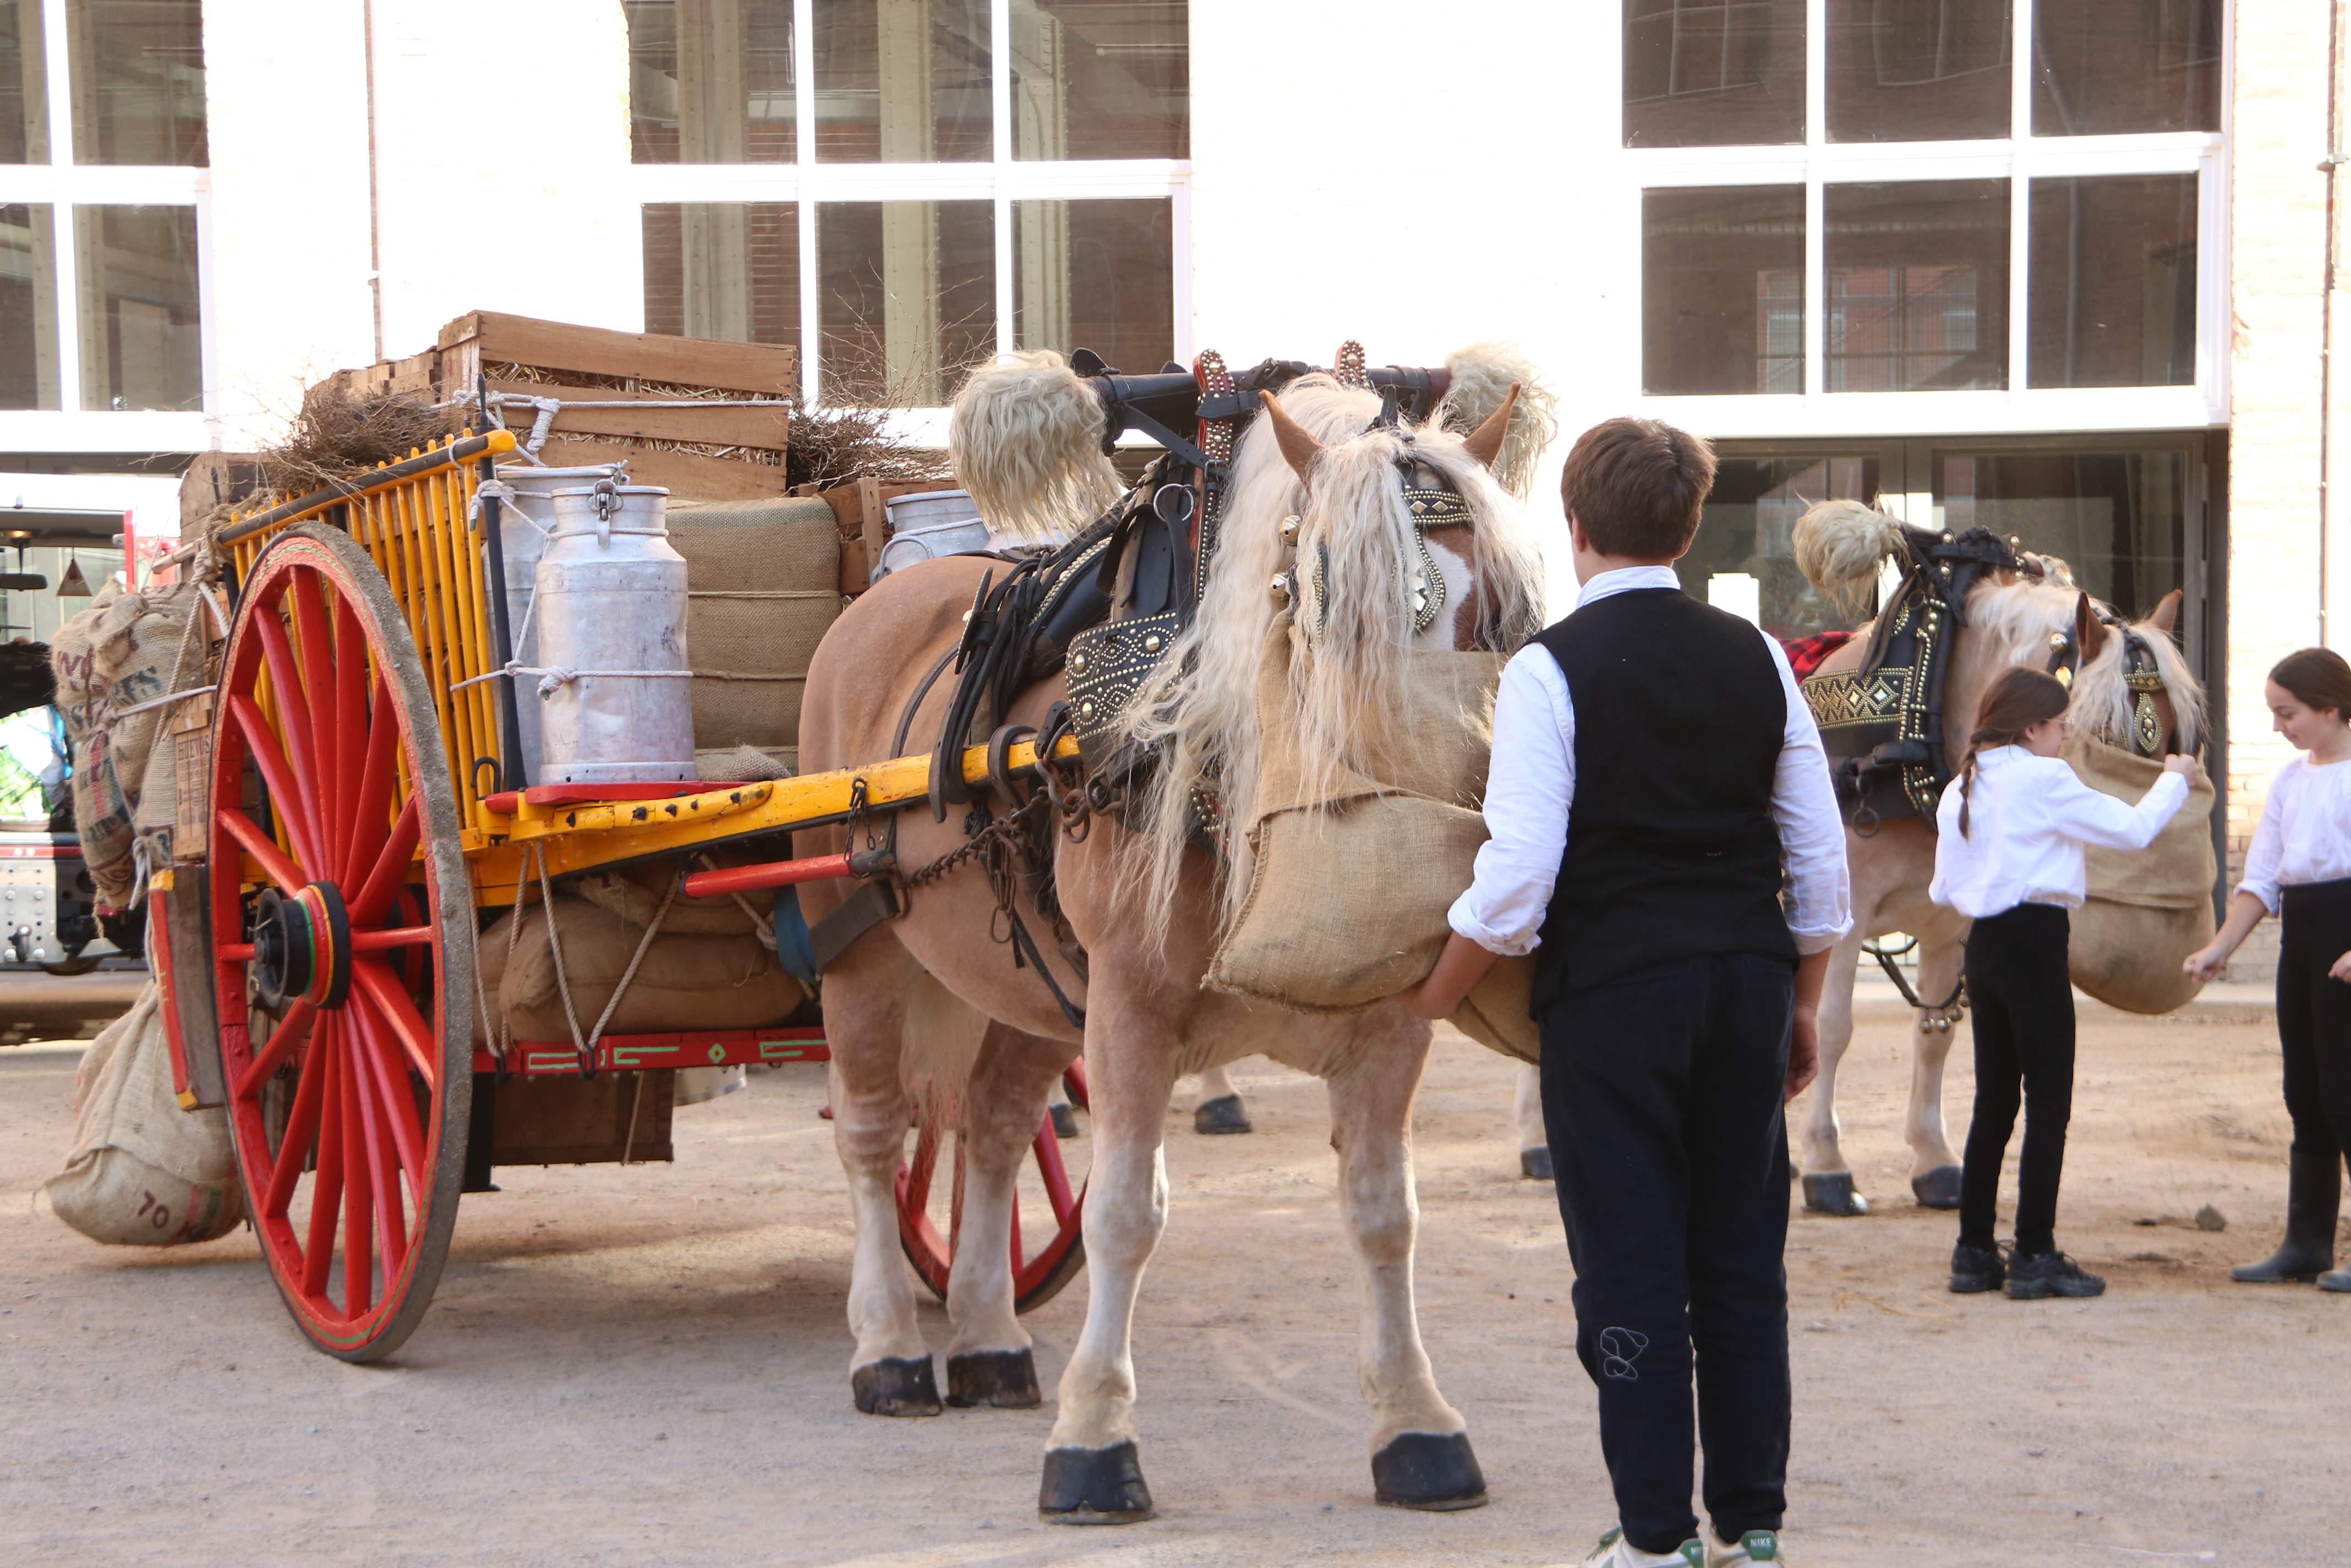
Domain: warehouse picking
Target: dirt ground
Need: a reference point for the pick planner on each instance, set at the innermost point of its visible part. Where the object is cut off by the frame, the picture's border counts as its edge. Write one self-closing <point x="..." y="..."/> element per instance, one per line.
<point x="649" y="1366"/>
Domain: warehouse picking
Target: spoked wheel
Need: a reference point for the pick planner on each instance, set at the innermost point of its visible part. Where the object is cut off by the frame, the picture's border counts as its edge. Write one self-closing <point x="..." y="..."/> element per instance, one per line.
<point x="343" y="957"/>
<point x="1042" y="1193"/>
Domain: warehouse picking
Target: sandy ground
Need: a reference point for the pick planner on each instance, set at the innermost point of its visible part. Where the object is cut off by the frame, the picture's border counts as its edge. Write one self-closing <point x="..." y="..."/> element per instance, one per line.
<point x="649" y="1366"/>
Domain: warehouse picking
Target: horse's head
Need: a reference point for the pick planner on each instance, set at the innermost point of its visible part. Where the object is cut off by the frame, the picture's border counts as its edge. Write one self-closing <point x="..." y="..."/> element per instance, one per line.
<point x="2131" y="685"/>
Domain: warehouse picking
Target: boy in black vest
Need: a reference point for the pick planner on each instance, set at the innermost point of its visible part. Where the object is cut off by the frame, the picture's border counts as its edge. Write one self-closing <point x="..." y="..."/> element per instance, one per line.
<point x="1655" y="772"/>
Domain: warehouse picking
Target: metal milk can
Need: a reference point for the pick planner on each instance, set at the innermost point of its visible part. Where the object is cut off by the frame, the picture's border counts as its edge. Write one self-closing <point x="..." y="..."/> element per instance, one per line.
<point x="615" y="706"/>
<point x="524" y="522"/>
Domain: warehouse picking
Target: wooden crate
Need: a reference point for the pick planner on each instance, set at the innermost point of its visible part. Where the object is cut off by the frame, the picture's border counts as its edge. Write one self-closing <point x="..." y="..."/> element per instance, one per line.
<point x="489" y="338"/>
<point x="214" y="479"/>
<point x="576" y="1122"/>
<point x="682" y="474"/>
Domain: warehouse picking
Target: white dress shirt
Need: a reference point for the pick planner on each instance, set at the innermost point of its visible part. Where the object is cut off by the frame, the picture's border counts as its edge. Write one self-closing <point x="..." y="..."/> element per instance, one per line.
<point x="1532" y="786"/>
<point x="2028" y="819"/>
<point x="2306" y="831"/>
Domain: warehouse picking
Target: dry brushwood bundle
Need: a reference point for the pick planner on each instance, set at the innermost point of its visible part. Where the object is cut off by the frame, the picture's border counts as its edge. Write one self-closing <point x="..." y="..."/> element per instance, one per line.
<point x="337" y="435"/>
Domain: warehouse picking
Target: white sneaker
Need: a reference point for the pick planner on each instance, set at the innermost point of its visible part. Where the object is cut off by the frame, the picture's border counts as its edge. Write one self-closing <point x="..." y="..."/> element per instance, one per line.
<point x="1755" y="1546"/>
<point x="1614" y="1552"/>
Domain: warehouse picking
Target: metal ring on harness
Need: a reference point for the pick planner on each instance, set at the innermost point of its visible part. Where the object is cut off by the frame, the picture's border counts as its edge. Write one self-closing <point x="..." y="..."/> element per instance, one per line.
<point x="1000" y="759"/>
<point x="1945" y="1013"/>
<point x="1179" y="514"/>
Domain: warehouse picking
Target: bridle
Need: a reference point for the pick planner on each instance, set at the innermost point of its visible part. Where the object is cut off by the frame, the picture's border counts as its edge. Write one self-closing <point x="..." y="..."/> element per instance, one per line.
<point x="2142" y="676"/>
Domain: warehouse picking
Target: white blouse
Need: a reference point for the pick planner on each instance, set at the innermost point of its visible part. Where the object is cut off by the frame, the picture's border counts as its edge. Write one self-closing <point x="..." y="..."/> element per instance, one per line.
<point x="2028" y="819"/>
<point x="2306" y="831"/>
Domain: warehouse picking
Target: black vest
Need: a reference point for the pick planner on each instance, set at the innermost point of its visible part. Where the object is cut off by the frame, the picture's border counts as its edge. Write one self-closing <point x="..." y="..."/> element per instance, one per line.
<point x="1671" y="850"/>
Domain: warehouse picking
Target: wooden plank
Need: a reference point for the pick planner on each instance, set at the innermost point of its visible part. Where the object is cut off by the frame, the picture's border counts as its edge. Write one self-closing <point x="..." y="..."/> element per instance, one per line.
<point x="488" y="337"/>
<point x="560" y="1121"/>
<point x="677" y="419"/>
<point x="681" y="473"/>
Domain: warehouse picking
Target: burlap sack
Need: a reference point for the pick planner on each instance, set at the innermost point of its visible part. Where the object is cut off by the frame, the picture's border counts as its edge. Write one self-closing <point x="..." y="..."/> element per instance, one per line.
<point x="1498" y="1011"/>
<point x="2147" y="910"/>
<point x="685" y="981"/>
<point x="1350" y="880"/>
<point x="143" y="1173"/>
<point x="763" y="581"/>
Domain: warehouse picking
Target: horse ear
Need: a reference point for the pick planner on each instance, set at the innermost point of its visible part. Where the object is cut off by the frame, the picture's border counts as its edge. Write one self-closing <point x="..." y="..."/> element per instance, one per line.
<point x="2089" y="632"/>
<point x="2166" y="614"/>
<point x="1300" y="448"/>
<point x="1485" y="443"/>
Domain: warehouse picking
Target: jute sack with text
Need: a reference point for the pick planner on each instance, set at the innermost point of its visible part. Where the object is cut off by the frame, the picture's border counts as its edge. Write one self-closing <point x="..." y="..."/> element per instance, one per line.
<point x="2147" y="910"/>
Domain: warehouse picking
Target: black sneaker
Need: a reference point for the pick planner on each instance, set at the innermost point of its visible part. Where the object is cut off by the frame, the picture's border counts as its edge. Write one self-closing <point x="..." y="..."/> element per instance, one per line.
<point x="1975" y="1270"/>
<point x="2050" y="1274"/>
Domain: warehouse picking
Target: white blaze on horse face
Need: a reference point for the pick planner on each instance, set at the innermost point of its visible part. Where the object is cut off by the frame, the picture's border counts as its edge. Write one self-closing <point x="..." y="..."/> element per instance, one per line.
<point x="1460" y="583"/>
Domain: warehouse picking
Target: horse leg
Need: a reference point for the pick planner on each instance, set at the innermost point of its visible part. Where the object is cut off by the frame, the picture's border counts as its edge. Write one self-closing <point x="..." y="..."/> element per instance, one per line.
<point x="1220" y="1109"/>
<point x="1934" y="1168"/>
<point x="1828" y="1180"/>
<point x="1421" y="1456"/>
<point x="1534" y="1139"/>
<point x="1093" y="1471"/>
<point x="989" y="1361"/>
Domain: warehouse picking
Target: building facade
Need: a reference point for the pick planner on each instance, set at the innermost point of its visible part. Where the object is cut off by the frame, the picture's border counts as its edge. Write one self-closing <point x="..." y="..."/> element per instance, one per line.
<point x="2059" y="267"/>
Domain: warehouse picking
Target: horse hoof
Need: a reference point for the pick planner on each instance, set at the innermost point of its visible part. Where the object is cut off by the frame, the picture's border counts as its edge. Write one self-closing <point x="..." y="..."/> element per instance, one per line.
<point x="1222" y="1114"/>
<point x="1065" y="1121"/>
<point x="998" y="1379"/>
<point x="1535" y="1163"/>
<point x="1093" y="1486"/>
<point x="1834" y="1193"/>
<point x="1430" y="1470"/>
<point x="1937" y="1189"/>
<point x="895" y="1385"/>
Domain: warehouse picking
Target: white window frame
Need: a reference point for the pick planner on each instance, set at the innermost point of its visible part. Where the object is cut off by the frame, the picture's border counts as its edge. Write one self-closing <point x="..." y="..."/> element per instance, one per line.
<point x="2020" y="409"/>
<point x="1001" y="180"/>
<point x="64" y="186"/>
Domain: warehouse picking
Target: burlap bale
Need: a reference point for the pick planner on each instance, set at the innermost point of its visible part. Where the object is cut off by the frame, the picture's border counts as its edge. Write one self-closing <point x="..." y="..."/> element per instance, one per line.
<point x="686" y="980"/>
<point x="1498" y="1013"/>
<point x="143" y="1173"/>
<point x="746" y="764"/>
<point x="1351" y="878"/>
<point x="763" y="581"/>
<point x="2148" y="910"/>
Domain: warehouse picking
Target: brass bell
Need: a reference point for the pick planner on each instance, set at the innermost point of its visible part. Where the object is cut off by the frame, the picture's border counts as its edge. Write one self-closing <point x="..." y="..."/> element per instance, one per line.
<point x="1289" y="528"/>
<point x="1285" y="590"/>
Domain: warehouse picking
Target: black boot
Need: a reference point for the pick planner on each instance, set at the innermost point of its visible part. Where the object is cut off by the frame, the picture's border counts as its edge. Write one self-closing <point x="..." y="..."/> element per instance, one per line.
<point x="2313" y="1199"/>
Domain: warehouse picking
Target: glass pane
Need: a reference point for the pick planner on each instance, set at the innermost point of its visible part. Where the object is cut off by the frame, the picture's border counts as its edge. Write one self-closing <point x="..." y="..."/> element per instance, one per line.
<point x="2103" y="67"/>
<point x="2118" y="519"/>
<point x="1744" y="559"/>
<point x="1917" y="286"/>
<point x="24" y="96"/>
<point x="2113" y="282"/>
<point x="909" y="291"/>
<point x="138" y="81"/>
<point x="1710" y="73"/>
<point x="137" y="275"/>
<point x="28" y="309"/>
<point x="724" y="269"/>
<point x="1919" y="70"/>
<point x="1723" y="289"/>
<point x="1096" y="275"/>
<point x="710" y="82"/>
<point x="902" y="81"/>
<point x="1102" y="78"/>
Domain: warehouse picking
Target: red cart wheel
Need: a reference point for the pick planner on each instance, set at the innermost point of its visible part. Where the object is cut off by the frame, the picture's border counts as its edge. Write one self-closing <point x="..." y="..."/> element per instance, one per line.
<point x="346" y="1020"/>
<point x="1038" y="1277"/>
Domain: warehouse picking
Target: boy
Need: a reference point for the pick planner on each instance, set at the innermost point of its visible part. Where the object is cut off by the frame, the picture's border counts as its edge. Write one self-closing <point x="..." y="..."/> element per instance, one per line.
<point x="1655" y="768"/>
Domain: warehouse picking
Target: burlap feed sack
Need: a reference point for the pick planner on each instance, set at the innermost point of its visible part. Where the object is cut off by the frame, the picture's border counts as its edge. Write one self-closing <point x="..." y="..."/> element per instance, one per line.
<point x="1498" y="1013"/>
<point x="143" y="1173"/>
<point x="764" y="585"/>
<point x="634" y="894"/>
<point x="1350" y="879"/>
<point x="686" y="981"/>
<point x="746" y="764"/>
<point x="2148" y="910"/>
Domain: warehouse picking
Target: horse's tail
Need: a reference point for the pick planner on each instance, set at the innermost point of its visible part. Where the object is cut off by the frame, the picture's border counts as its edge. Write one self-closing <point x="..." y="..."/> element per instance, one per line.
<point x="1839" y="548"/>
<point x="1025" y="439"/>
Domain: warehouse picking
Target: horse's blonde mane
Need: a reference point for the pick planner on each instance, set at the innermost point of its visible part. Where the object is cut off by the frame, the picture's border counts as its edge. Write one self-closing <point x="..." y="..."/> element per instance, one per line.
<point x="2016" y="619"/>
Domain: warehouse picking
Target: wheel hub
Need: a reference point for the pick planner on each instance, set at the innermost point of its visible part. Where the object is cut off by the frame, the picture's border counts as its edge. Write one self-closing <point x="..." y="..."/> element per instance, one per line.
<point x="301" y="947"/>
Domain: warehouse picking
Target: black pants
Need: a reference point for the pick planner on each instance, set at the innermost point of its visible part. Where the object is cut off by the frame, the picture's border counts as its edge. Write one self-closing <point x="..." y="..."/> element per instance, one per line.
<point x="2314" y="1014"/>
<point x="2022" y="1003"/>
<point x="1661" y="1097"/>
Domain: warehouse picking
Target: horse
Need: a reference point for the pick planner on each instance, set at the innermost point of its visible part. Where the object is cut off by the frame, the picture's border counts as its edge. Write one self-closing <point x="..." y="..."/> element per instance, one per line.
<point x="2010" y="618"/>
<point x="930" y="1005"/>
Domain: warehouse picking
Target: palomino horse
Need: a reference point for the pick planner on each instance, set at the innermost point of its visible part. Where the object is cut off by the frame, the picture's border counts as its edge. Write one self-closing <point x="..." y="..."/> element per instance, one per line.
<point x="930" y="1004"/>
<point x="2010" y="620"/>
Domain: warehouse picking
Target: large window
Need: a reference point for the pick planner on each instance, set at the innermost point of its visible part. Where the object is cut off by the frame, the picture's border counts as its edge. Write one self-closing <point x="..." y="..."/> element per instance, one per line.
<point x="898" y="190"/>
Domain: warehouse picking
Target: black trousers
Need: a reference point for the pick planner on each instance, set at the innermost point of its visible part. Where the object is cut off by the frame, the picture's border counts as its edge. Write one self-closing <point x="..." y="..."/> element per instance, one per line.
<point x="1661" y="1097"/>
<point x="2314" y="1014"/>
<point x="2022" y="1003"/>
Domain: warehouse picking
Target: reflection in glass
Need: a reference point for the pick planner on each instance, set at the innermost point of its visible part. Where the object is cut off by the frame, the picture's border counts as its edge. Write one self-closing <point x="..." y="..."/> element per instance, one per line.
<point x="2118" y="519"/>
<point x="2113" y="282"/>
<point x="724" y="269"/>
<point x="137" y="276"/>
<point x="1917" y="285"/>
<point x="1711" y="73"/>
<point x="1096" y="80"/>
<point x="909" y="292"/>
<point x="2105" y="67"/>
<point x="28" y="309"/>
<point x="902" y="81"/>
<point x="1748" y="530"/>
<point x="1096" y="275"/>
<point x="710" y="82"/>
<point x="1919" y="70"/>
<point x="138" y="81"/>
<point x="1722" y="296"/>
<point x="23" y="76"/>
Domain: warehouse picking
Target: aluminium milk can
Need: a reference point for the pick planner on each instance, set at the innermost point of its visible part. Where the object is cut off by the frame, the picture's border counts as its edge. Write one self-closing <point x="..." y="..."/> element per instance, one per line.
<point x="523" y="523"/>
<point x="927" y="525"/>
<point x="615" y="708"/>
